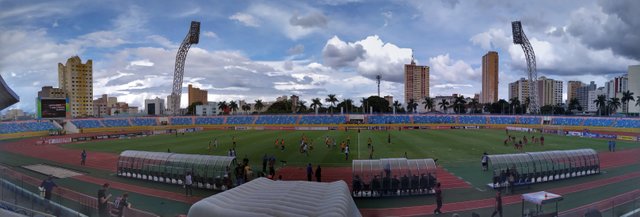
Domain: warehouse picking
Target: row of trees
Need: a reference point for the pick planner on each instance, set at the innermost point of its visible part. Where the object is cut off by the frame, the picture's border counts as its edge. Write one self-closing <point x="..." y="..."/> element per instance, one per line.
<point x="459" y="105"/>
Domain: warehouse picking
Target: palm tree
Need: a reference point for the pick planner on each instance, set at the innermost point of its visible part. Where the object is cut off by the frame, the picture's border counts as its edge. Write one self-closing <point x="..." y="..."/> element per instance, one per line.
<point x="443" y="105"/>
<point x="316" y="103"/>
<point x="601" y="102"/>
<point x="626" y="97"/>
<point x="613" y="104"/>
<point x="349" y="104"/>
<point x="428" y="103"/>
<point x="514" y="103"/>
<point x="574" y="104"/>
<point x="331" y="98"/>
<point x="233" y="106"/>
<point x="474" y="104"/>
<point x="410" y="105"/>
<point x="502" y="104"/>
<point x="397" y="105"/>
<point x="459" y="103"/>
<point x="258" y="106"/>
<point x="246" y="108"/>
<point x="222" y="106"/>
<point x="638" y="101"/>
<point x="302" y="107"/>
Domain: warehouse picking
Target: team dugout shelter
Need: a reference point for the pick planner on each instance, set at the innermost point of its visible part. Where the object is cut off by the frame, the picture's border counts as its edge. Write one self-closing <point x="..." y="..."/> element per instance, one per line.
<point x="535" y="167"/>
<point x="393" y="177"/>
<point x="207" y="171"/>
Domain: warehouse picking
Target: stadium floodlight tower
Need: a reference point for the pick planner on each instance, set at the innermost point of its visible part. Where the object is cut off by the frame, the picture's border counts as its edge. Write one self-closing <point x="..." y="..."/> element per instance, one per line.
<point x="520" y="38"/>
<point x="193" y="37"/>
<point x="378" y="77"/>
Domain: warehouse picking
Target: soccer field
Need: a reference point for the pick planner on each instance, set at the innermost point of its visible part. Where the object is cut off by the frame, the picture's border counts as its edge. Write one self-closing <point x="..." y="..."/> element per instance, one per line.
<point x="448" y="146"/>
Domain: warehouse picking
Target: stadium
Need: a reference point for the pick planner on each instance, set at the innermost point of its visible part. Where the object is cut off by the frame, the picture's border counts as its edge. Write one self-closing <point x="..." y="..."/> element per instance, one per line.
<point x="132" y="154"/>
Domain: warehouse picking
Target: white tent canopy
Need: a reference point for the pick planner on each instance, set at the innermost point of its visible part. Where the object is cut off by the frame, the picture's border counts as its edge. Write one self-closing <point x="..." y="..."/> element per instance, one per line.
<point x="265" y="197"/>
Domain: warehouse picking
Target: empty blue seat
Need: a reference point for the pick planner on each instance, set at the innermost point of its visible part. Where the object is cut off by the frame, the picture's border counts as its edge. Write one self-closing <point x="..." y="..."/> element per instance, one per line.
<point x="628" y="123"/>
<point x="530" y="120"/>
<point x="121" y="122"/>
<point x="240" y="119"/>
<point x="144" y="121"/>
<point x="40" y="126"/>
<point x="91" y="123"/>
<point x="502" y="120"/>
<point x="323" y="119"/>
<point x="181" y="121"/>
<point x="391" y="119"/>
<point x="567" y="121"/>
<point x="472" y="120"/>
<point x="209" y="120"/>
<point x="277" y="119"/>
<point x="435" y="119"/>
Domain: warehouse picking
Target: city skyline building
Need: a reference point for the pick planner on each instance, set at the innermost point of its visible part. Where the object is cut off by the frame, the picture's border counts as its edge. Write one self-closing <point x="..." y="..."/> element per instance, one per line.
<point x="633" y="85"/>
<point x="196" y="95"/>
<point x="76" y="79"/>
<point x="572" y="89"/>
<point x="416" y="82"/>
<point x="549" y="91"/>
<point x="583" y="94"/>
<point x="154" y="106"/>
<point x="490" y="69"/>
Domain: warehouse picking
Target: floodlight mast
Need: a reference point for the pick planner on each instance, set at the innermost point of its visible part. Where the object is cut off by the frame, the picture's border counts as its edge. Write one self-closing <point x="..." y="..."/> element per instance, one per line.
<point x="193" y="37"/>
<point x="520" y="38"/>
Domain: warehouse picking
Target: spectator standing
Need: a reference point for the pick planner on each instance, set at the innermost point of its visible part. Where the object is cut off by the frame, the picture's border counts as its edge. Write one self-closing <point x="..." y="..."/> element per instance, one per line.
<point x="346" y="152"/>
<point x="103" y="200"/>
<point x="264" y="163"/>
<point x="438" y="199"/>
<point x="498" y="209"/>
<point x="371" y="152"/>
<point x="272" y="162"/>
<point x="613" y="145"/>
<point x="541" y="140"/>
<point x="389" y="138"/>
<point x="309" y="172"/>
<point x="188" y="184"/>
<point x="318" y="174"/>
<point x="485" y="159"/>
<point x="121" y="203"/>
<point x="48" y="186"/>
<point x="83" y="157"/>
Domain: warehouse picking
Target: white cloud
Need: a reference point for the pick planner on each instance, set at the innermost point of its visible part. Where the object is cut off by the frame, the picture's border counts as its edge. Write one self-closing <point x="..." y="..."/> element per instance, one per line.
<point x="298" y="49"/>
<point x="144" y="62"/>
<point x="283" y="20"/>
<point x="244" y="18"/>
<point x="210" y="34"/>
<point x="315" y="19"/>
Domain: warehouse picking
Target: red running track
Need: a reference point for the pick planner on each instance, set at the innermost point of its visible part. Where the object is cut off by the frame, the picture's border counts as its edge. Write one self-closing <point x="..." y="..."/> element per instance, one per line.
<point x="140" y="190"/>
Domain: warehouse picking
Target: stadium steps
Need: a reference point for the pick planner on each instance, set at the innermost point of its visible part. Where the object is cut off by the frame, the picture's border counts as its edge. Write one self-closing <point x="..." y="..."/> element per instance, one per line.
<point x="130" y="123"/>
<point x="298" y="119"/>
<point x="411" y="119"/>
<point x="224" y="121"/>
<point x="582" y="122"/>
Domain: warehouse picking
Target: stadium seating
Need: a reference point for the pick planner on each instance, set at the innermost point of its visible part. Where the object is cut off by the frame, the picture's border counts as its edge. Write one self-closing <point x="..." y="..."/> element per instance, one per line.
<point x="395" y="119"/>
<point x="277" y="119"/>
<point x="323" y="119"/>
<point x="240" y="119"/>
<point x="598" y="122"/>
<point x="116" y="122"/>
<point x="30" y="126"/>
<point x="92" y="123"/>
<point x="181" y="121"/>
<point x="209" y="120"/>
<point x="144" y="121"/>
<point x="567" y="121"/>
<point x="472" y="120"/>
<point x="502" y="120"/>
<point x="440" y="119"/>
<point x="530" y="120"/>
<point x="628" y="123"/>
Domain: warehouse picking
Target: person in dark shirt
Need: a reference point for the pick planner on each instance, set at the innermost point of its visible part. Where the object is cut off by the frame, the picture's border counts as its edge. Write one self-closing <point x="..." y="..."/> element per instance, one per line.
<point x="318" y="174"/>
<point x="48" y="186"/>
<point x="309" y="172"/>
<point x="103" y="200"/>
<point x="498" y="205"/>
<point x="83" y="157"/>
<point x="438" y="199"/>
<point x="120" y="204"/>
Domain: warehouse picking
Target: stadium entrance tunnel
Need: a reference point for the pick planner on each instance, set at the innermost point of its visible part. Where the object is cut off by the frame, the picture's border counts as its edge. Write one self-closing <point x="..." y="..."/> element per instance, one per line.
<point x="393" y="177"/>
<point x="535" y="167"/>
<point x="207" y="171"/>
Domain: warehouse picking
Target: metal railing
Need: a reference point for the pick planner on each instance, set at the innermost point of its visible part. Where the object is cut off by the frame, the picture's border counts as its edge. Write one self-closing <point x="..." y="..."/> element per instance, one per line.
<point x="82" y="204"/>
<point x="613" y="206"/>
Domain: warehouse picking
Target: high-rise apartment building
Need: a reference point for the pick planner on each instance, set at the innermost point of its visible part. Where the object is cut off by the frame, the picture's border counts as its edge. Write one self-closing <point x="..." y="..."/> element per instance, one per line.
<point x="154" y="106"/>
<point x="583" y="94"/>
<point x="572" y="89"/>
<point x="633" y="85"/>
<point x="76" y="79"/>
<point x="197" y="95"/>
<point x="490" y="64"/>
<point x="549" y="91"/>
<point x="519" y="89"/>
<point x="416" y="82"/>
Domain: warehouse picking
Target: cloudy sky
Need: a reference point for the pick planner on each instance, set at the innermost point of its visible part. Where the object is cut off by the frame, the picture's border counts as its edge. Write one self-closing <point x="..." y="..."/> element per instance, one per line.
<point x="263" y="49"/>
